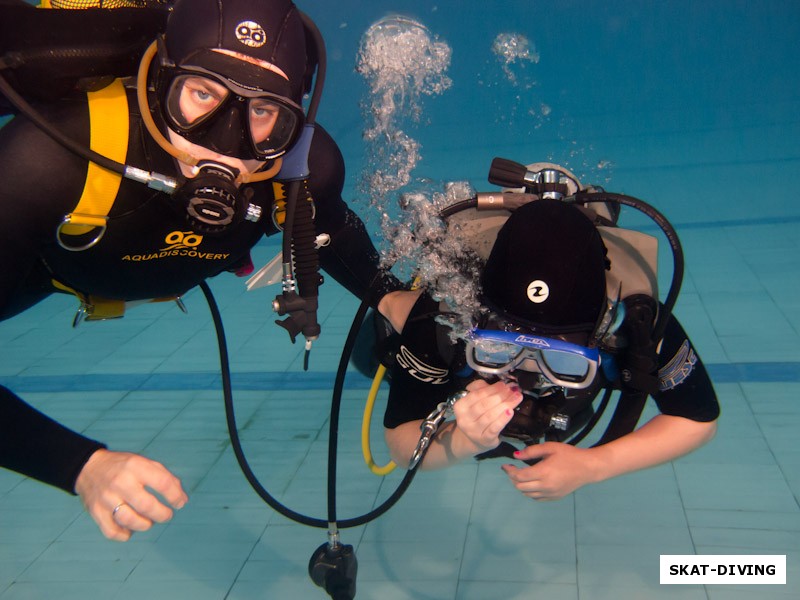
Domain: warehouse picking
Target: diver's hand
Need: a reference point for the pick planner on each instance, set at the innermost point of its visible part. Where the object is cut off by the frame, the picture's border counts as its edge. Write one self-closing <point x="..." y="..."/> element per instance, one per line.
<point x="483" y="413"/>
<point x="110" y="479"/>
<point x="562" y="469"/>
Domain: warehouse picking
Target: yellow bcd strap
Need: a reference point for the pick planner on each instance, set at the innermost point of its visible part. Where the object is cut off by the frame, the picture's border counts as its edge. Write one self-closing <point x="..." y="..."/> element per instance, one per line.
<point x="93" y="309"/>
<point x="108" y="118"/>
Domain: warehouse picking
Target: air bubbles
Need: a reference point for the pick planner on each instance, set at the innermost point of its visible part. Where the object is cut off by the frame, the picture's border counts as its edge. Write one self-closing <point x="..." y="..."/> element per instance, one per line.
<point x="515" y="51"/>
<point x="425" y="247"/>
<point x="401" y="61"/>
<point x="517" y="103"/>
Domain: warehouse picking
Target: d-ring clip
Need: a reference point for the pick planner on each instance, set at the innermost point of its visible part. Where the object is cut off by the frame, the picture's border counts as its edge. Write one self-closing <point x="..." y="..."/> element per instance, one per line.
<point x="100" y="223"/>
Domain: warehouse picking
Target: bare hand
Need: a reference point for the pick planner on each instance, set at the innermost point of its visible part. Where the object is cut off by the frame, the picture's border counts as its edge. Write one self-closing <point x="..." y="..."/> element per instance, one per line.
<point x="115" y="489"/>
<point x="483" y="413"/>
<point x="563" y="469"/>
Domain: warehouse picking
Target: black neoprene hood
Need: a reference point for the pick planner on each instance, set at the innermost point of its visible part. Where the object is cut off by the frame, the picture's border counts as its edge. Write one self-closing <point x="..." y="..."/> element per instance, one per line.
<point x="546" y="271"/>
<point x="267" y="30"/>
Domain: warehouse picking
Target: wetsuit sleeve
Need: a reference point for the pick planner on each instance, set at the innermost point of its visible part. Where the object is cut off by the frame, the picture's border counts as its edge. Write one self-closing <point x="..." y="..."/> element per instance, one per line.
<point x="685" y="389"/>
<point x="350" y="258"/>
<point x="36" y="446"/>
<point x="420" y="377"/>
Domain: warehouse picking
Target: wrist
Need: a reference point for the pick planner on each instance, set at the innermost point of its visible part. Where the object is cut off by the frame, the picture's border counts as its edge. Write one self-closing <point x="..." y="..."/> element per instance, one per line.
<point x="84" y="473"/>
<point x="597" y="461"/>
<point x="464" y="446"/>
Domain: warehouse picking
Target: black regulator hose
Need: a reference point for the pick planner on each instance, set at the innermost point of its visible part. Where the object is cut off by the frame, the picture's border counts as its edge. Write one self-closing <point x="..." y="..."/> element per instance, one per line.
<point x="333" y="441"/>
<point x="236" y="444"/>
<point x="322" y="67"/>
<point x="306" y="257"/>
<point x="672" y="239"/>
<point x="452" y="209"/>
<point x="39" y="121"/>
<point x="230" y="417"/>
<point x="299" y="252"/>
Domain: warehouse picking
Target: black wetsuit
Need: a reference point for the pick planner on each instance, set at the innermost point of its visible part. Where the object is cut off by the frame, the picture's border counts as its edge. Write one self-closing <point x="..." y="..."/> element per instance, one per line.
<point x="422" y="376"/>
<point x="148" y="251"/>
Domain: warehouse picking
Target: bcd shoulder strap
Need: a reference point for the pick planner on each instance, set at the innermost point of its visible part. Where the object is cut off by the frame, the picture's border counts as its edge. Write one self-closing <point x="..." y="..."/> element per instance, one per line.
<point x="109" y="122"/>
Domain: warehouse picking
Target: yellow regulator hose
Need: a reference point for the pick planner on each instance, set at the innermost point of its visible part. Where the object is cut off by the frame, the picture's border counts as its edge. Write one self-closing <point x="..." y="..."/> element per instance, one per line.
<point x="365" y="426"/>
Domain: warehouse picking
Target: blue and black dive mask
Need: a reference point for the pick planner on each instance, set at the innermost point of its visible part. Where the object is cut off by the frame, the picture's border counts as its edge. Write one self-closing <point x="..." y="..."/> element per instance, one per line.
<point x="558" y="363"/>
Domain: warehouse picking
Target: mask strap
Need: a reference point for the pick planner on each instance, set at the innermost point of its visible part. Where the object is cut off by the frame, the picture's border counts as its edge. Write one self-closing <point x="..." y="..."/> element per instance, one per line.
<point x="609" y="320"/>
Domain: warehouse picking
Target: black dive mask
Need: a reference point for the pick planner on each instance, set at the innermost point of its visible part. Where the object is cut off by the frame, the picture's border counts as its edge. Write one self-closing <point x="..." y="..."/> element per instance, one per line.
<point x="215" y="113"/>
<point x="225" y="133"/>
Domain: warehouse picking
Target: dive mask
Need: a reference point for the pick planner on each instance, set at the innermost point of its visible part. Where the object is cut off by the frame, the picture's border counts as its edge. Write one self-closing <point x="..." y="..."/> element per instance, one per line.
<point x="216" y="113"/>
<point x="561" y="364"/>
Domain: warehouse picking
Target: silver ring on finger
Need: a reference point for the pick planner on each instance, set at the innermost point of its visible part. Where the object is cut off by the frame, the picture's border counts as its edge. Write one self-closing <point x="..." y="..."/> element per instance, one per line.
<point x="116" y="509"/>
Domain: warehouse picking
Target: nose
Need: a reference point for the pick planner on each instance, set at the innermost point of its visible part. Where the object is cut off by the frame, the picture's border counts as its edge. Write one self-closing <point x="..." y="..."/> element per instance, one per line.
<point x="227" y="134"/>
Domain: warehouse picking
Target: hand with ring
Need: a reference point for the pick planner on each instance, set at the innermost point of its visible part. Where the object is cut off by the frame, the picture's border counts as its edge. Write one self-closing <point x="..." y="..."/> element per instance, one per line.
<point x="117" y="490"/>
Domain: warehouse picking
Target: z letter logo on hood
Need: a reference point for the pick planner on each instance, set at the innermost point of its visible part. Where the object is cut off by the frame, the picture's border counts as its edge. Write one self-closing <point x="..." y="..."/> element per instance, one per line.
<point x="419" y="370"/>
<point x="538" y="291"/>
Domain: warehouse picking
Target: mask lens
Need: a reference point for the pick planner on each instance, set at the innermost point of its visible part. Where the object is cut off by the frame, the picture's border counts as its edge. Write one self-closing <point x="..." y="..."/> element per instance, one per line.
<point x="565" y="364"/>
<point x="272" y="125"/>
<point x="561" y="363"/>
<point x="192" y="99"/>
<point x="494" y="355"/>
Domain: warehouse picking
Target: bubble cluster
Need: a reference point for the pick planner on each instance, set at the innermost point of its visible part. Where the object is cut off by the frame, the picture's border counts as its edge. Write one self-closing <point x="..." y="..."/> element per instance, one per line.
<point x="517" y="104"/>
<point x="515" y="52"/>
<point x="401" y="61"/>
<point x="435" y="254"/>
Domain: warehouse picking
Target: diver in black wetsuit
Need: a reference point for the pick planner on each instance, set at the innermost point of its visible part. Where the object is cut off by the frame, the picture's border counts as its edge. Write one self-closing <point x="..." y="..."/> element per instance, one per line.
<point x="542" y="347"/>
<point x="226" y="90"/>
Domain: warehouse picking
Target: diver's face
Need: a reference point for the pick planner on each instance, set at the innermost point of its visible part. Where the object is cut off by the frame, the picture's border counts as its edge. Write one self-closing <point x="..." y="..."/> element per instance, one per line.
<point x="201" y="97"/>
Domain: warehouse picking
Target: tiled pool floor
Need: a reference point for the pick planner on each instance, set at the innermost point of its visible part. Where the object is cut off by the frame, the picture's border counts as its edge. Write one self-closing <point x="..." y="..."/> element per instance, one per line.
<point x="149" y="383"/>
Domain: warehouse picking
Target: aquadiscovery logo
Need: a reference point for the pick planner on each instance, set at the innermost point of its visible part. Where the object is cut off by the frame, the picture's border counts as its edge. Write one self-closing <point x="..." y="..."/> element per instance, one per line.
<point x="180" y="244"/>
<point x="251" y="34"/>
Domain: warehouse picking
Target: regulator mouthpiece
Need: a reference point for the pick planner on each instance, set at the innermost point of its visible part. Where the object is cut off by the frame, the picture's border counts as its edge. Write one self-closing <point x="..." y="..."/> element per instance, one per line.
<point x="214" y="201"/>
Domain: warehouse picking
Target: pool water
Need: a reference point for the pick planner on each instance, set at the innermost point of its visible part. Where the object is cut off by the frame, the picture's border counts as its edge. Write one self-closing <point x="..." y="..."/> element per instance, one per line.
<point x="691" y="106"/>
